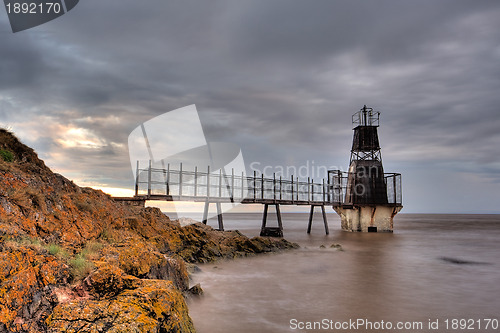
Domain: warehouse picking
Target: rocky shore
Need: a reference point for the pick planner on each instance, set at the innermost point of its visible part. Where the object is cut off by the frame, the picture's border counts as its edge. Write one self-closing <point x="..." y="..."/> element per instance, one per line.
<point x="74" y="260"/>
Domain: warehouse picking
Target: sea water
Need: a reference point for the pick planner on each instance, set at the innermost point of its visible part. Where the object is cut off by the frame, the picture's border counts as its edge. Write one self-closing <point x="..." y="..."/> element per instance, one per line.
<point x="435" y="273"/>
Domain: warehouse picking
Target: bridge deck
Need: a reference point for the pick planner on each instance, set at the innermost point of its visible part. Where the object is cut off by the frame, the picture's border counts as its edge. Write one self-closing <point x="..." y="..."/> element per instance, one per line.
<point x="229" y="200"/>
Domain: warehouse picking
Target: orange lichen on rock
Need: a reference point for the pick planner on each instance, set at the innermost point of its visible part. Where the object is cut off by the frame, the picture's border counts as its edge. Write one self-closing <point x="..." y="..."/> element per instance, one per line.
<point x="27" y="280"/>
<point x="148" y="306"/>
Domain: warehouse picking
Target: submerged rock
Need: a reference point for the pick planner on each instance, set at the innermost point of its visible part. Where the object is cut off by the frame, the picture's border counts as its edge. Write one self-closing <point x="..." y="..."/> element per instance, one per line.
<point x="457" y="261"/>
<point x="337" y="246"/>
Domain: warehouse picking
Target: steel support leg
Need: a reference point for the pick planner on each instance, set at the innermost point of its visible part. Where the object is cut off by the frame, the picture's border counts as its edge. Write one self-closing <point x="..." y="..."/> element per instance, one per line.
<point x="324" y="219"/>
<point x="205" y="212"/>
<point x="271" y="231"/>
<point x="311" y="213"/>
<point x="219" y="214"/>
<point x="264" y="218"/>
<point x="309" y="225"/>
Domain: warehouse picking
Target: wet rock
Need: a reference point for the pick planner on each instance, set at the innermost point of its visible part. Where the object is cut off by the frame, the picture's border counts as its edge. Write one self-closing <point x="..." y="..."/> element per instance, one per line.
<point x="195" y="290"/>
<point x="201" y="243"/>
<point x="193" y="268"/>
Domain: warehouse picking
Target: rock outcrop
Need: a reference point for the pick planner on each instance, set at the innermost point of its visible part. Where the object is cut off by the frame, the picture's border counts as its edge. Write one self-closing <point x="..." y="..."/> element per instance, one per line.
<point x="74" y="260"/>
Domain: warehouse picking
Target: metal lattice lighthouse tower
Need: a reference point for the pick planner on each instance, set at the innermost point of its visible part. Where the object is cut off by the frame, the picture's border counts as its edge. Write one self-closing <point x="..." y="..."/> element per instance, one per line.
<point x="368" y="199"/>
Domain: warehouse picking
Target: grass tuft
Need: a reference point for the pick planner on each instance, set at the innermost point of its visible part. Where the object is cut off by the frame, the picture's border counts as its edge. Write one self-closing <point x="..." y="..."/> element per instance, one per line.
<point x="92" y="250"/>
<point x="6" y="155"/>
<point x="58" y="251"/>
<point x="80" y="266"/>
<point x="54" y="249"/>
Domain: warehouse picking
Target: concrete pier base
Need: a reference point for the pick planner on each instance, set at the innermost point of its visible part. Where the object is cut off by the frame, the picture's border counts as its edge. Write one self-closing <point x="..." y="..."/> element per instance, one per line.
<point x="367" y="218"/>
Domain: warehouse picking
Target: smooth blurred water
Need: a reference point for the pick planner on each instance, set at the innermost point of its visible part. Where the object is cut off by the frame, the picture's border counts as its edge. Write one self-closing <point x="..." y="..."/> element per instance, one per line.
<point x="409" y="275"/>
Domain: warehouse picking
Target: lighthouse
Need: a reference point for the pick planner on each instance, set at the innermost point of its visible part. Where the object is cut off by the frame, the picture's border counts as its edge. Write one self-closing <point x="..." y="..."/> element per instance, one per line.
<point x="366" y="198"/>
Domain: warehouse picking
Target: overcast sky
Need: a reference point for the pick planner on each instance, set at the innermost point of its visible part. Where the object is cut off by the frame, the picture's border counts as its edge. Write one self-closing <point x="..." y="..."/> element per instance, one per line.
<point x="280" y="78"/>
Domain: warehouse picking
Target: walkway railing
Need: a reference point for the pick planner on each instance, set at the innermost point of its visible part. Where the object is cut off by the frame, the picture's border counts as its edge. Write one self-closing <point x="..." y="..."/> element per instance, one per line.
<point x="338" y="188"/>
<point x="197" y="185"/>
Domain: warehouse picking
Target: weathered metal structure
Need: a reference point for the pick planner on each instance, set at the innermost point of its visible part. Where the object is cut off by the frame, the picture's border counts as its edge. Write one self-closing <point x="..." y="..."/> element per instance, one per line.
<point x="367" y="199"/>
<point x="168" y="184"/>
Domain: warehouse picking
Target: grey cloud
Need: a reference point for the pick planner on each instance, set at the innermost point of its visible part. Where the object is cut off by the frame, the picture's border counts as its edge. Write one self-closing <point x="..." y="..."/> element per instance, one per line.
<point x="279" y="78"/>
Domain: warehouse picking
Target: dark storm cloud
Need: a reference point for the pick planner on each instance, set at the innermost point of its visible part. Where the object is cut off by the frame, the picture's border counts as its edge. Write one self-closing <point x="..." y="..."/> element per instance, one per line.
<point x="279" y="78"/>
<point x="22" y="63"/>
